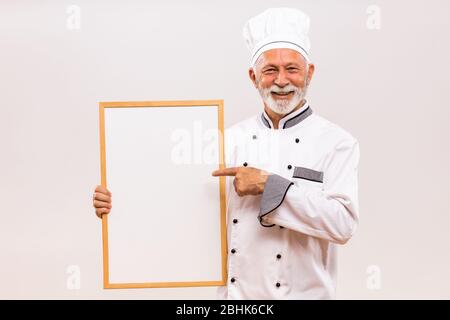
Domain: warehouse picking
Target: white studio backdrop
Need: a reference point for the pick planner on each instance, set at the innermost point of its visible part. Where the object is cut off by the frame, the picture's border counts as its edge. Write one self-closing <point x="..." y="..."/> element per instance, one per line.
<point x="382" y="73"/>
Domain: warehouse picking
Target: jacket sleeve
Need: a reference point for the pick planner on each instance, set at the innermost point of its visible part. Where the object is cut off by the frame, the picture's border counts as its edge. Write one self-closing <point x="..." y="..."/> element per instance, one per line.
<point x="330" y="213"/>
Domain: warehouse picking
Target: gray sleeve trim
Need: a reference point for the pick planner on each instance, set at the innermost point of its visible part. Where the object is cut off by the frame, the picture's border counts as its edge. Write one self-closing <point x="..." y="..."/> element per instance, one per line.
<point x="308" y="174"/>
<point x="274" y="192"/>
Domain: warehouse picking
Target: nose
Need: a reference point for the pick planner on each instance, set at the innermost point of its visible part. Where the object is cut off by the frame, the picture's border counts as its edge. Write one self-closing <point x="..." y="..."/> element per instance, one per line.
<point x="281" y="79"/>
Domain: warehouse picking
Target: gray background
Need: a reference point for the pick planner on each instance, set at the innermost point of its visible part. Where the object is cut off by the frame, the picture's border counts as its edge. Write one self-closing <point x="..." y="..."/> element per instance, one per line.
<point x="389" y="87"/>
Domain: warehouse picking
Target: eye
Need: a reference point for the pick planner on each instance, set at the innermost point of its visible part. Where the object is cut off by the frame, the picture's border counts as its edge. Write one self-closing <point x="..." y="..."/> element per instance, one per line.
<point x="292" y="69"/>
<point x="269" y="71"/>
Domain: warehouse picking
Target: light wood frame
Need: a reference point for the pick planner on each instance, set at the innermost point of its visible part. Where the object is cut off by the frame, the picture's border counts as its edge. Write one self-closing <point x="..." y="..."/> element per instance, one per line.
<point x="223" y="235"/>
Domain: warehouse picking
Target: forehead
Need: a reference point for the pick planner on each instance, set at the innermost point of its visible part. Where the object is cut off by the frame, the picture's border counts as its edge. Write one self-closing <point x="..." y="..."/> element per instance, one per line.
<point x="282" y="57"/>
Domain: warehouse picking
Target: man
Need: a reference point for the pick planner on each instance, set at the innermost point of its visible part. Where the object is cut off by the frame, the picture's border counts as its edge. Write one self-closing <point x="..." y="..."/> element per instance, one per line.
<point x="294" y="175"/>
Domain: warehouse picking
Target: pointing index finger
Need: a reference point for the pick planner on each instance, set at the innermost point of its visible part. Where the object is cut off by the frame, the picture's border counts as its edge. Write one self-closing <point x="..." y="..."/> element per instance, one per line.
<point x="225" y="172"/>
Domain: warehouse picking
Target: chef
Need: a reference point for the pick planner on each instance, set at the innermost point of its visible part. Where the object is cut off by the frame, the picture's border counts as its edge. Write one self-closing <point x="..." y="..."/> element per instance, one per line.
<point x="293" y="175"/>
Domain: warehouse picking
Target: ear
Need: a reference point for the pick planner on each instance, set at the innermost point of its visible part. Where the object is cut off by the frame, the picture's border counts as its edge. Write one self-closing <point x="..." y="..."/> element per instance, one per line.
<point x="252" y="75"/>
<point x="310" y="73"/>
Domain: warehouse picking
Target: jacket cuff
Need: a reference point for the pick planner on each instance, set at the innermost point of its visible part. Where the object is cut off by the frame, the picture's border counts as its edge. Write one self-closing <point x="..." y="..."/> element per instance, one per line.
<point x="274" y="192"/>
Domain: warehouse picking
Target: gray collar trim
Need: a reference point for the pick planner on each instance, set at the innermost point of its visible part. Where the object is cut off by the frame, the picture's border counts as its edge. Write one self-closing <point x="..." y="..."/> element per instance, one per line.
<point x="292" y="121"/>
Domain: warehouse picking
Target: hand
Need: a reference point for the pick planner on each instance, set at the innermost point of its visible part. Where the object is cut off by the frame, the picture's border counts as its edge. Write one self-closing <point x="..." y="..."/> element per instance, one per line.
<point x="102" y="201"/>
<point x="247" y="180"/>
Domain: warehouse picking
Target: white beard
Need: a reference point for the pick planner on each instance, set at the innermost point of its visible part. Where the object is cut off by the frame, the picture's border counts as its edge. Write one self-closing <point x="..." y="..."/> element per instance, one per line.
<point x="282" y="106"/>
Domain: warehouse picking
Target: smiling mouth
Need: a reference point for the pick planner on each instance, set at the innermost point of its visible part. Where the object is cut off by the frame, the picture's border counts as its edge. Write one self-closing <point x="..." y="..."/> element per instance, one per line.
<point x="281" y="94"/>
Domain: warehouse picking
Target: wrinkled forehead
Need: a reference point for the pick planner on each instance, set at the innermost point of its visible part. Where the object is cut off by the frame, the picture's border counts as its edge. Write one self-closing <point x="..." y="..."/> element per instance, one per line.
<point x="280" y="57"/>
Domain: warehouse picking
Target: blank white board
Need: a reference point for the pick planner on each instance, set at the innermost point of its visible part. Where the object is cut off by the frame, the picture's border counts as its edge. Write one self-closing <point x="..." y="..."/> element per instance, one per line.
<point x="167" y="224"/>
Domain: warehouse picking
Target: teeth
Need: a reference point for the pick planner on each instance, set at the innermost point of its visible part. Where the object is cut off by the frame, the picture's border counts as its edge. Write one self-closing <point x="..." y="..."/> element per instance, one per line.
<point x="282" y="93"/>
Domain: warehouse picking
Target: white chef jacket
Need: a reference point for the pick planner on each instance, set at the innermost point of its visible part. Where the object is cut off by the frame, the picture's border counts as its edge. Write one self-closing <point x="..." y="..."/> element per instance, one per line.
<point x="282" y="244"/>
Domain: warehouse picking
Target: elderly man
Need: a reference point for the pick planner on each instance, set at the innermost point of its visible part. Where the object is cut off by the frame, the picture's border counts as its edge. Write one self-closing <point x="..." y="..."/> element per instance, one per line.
<point x="294" y="175"/>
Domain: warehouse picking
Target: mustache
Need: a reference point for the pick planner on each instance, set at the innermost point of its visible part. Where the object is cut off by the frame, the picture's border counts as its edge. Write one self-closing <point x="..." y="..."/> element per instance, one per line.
<point x="286" y="89"/>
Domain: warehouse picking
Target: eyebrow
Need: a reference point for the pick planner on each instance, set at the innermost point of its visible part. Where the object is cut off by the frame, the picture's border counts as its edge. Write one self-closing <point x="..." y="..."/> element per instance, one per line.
<point x="290" y="64"/>
<point x="293" y="64"/>
<point x="269" y="66"/>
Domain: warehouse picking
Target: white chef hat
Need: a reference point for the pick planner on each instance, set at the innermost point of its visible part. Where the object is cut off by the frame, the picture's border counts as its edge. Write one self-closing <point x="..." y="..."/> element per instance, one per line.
<point x="277" y="28"/>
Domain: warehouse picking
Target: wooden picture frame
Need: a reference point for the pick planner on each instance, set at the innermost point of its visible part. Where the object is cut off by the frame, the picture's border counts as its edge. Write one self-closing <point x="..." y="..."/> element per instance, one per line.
<point x="132" y="135"/>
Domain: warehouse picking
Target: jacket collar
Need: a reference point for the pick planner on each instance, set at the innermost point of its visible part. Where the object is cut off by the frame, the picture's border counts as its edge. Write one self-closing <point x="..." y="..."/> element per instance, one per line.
<point x="289" y="120"/>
